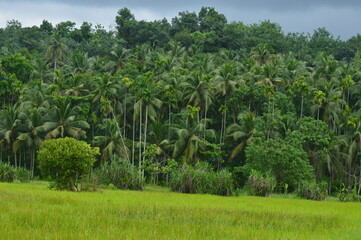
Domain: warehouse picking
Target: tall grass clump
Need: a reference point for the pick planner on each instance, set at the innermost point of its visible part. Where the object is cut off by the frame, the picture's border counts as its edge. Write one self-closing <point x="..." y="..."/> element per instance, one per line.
<point x="347" y="195"/>
<point x="121" y="174"/>
<point x="9" y="173"/>
<point x="313" y="191"/>
<point x="260" y="185"/>
<point x="202" y="179"/>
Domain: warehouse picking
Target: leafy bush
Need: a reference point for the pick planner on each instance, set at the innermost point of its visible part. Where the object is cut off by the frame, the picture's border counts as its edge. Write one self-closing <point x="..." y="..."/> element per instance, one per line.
<point x="313" y="191"/>
<point x="123" y="175"/>
<point x="285" y="158"/>
<point x="22" y="174"/>
<point x="202" y="179"/>
<point x="349" y="196"/>
<point x="65" y="161"/>
<point x="260" y="185"/>
<point x="9" y="173"/>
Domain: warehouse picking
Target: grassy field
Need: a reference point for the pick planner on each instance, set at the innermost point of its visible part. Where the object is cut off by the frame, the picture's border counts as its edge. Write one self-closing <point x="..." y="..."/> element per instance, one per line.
<point x="32" y="211"/>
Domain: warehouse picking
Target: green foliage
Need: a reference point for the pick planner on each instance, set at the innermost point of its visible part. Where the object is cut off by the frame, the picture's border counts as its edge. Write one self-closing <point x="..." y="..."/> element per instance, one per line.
<point x="260" y="185"/>
<point x="90" y="183"/>
<point x="9" y="173"/>
<point x="315" y="134"/>
<point x="285" y="159"/>
<point x="65" y="161"/>
<point x="345" y="195"/>
<point x="226" y="86"/>
<point x="121" y="174"/>
<point x="22" y="174"/>
<point x="18" y="65"/>
<point x="313" y="191"/>
<point x="281" y="102"/>
<point x="202" y="179"/>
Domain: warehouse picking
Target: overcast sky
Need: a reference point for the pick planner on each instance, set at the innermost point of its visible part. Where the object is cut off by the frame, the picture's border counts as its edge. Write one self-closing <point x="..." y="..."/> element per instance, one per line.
<point x="341" y="17"/>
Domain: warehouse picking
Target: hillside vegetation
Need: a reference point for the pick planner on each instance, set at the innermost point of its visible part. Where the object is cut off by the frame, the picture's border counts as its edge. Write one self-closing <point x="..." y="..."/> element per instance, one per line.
<point x="162" y="96"/>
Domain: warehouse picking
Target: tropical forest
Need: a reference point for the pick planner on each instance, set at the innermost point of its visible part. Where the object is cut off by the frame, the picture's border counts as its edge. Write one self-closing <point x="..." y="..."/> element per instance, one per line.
<point x="182" y="109"/>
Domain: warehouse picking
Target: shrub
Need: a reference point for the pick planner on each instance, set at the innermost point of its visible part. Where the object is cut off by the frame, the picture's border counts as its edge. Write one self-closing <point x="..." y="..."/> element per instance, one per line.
<point x="22" y="174"/>
<point x="65" y="161"/>
<point x="225" y="183"/>
<point x="121" y="174"/>
<point x="346" y="195"/>
<point x="285" y="158"/>
<point x="9" y="173"/>
<point x="313" y="191"/>
<point x="89" y="183"/>
<point x="260" y="185"/>
<point x="202" y="179"/>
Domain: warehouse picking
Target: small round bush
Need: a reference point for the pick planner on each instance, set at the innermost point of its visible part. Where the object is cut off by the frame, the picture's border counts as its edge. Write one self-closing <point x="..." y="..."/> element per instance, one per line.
<point x="65" y="161"/>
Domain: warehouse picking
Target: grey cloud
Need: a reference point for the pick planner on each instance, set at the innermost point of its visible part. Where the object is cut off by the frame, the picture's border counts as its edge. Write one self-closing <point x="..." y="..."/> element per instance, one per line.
<point x="340" y="17"/>
<point x="274" y="5"/>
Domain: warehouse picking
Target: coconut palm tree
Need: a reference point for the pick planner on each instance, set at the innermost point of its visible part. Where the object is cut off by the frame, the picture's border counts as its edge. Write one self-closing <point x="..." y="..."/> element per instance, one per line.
<point x="198" y="92"/>
<point x="79" y="62"/>
<point x="226" y="81"/>
<point x="33" y="134"/>
<point x="9" y="123"/>
<point x="105" y="91"/>
<point x="76" y="85"/>
<point x="56" y="53"/>
<point x="62" y="122"/>
<point x="261" y="53"/>
<point x="112" y="141"/>
<point x="328" y="104"/>
<point x="242" y="132"/>
<point x="146" y="106"/>
<point x="117" y="58"/>
<point x="192" y="136"/>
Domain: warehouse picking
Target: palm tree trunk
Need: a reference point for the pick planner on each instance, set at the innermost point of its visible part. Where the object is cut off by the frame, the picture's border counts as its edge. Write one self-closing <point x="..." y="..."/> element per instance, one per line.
<point x="301" y="107"/>
<point x="205" y="116"/>
<point x="125" y="115"/>
<point x="133" y="147"/>
<point x="20" y="158"/>
<point x="220" y="137"/>
<point x="16" y="160"/>
<point x="145" y="135"/>
<point x="359" y="182"/>
<point x="32" y="164"/>
<point x="140" y="135"/>
<point x="225" y="126"/>
<point x="169" y="118"/>
<point x="318" y="114"/>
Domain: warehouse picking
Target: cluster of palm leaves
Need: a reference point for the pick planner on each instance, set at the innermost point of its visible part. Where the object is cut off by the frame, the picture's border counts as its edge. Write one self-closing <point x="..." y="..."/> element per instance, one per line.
<point x="180" y="99"/>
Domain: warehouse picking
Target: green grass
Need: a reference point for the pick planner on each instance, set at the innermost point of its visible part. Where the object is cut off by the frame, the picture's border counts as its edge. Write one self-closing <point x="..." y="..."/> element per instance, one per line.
<point x="32" y="211"/>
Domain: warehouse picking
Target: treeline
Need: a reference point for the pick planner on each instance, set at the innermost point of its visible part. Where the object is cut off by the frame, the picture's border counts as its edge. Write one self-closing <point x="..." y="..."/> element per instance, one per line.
<point x="199" y="89"/>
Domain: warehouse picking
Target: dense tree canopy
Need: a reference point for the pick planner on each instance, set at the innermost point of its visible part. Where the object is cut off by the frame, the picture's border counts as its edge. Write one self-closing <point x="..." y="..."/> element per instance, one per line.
<point x="197" y="89"/>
